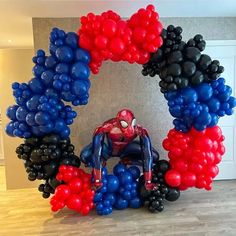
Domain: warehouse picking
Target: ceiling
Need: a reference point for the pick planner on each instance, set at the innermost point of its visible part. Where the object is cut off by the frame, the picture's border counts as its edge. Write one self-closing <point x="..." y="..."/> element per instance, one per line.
<point x="16" y="16"/>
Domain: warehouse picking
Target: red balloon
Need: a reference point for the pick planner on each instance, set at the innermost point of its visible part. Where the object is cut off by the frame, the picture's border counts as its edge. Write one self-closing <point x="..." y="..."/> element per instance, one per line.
<point x="180" y="165"/>
<point x="101" y="42"/>
<point x="117" y="46"/>
<point x="188" y="179"/>
<point x="173" y="178"/>
<point x="85" y="210"/>
<point x="74" y="202"/>
<point x="139" y="34"/>
<point x="75" y="185"/>
<point x="62" y="192"/>
<point x="109" y="28"/>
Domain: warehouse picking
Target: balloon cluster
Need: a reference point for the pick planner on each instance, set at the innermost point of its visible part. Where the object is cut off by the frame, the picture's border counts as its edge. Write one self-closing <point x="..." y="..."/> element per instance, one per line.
<point x="42" y="158"/>
<point x="61" y="76"/>
<point x="107" y="36"/>
<point x="200" y="106"/>
<point x="155" y="198"/>
<point x="194" y="157"/>
<point x="119" y="190"/>
<point x="75" y="192"/>
<point x="181" y="64"/>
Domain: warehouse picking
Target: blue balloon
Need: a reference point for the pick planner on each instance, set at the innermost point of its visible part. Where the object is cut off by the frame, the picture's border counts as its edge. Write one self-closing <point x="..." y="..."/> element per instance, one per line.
<point x="62" y="68"/>
<point x="118" y="169"/>
<point x="50" y="62"/>
<point x="42" y="118"/>
<point x="21" y="113"/>
<point x="125" y="177"/>
<point x="112" y="183"/>
<point x="33" y="103"/>
<point x="47" y="77"/>
<point x="127" y="195"/>
<point x="204" y="91"/>
<point x="110" y="197"/>
<point x="97" y="197"/>
<point x="36" y="86"/>
<point x="135" y="203"/>
<point x="10" y="129"/>
<point x="135" y="171"/>
<point x="121" y="203"/>
<point x="79" y="88"/>
<point x="64" y="54"/>
<point x="11" y="112"/>
<point x="80" y="70"/>
<point x="82" y="55"/>
<point x="30" y="119"/>
<point x="38" y="70"/>
<point x="189" y="95"/>
<point x="72" y="40"/>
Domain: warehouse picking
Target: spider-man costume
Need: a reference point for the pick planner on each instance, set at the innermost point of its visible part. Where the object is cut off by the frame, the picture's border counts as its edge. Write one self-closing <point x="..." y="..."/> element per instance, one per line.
<point x="120" y="133"/>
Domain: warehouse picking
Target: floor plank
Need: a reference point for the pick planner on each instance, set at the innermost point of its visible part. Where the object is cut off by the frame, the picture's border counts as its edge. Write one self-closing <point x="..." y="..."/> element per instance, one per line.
<point x="197" y="212"/>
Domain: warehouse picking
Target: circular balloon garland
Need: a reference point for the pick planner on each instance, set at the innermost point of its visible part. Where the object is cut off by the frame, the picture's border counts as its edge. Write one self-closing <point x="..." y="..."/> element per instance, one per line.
<point x="189" y="79"/>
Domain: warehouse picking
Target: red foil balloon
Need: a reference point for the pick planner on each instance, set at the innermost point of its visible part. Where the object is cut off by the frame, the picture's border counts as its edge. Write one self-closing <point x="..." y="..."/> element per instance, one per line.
<point x="76" y="192"/>
<point x="107" y="36"/>
<point x="194" y="157"/>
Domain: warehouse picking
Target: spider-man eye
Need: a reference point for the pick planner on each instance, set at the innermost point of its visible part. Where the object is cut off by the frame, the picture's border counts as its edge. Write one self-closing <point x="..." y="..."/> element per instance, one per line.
<point x="133" y="122"/>
<point x="124" y="124"/>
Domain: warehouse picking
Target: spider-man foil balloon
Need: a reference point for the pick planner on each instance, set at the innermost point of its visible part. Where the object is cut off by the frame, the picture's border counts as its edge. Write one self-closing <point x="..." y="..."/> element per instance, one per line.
<point x="117" y="138"/>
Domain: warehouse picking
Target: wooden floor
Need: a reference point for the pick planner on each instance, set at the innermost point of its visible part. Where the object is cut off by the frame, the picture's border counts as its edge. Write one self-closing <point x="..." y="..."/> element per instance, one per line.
<point x="24" y="212"/>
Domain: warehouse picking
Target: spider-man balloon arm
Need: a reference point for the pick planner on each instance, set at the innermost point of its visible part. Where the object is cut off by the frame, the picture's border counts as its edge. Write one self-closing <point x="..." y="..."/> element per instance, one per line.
<point x="98" y="140"/>
<point x="146" y="147"/>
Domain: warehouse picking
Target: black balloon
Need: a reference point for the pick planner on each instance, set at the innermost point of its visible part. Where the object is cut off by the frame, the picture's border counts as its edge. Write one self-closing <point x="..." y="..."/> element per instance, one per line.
<point x="155" y="199"/>
<point x="42" y="158"/>
<point x="180" y="64"/>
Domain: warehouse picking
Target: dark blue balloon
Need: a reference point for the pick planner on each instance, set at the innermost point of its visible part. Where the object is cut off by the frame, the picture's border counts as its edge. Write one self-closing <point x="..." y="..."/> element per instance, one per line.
<point x="135" y="203"/>
<point x="72" y="39"/>
<point x="189" y="95"/>
<point x="33" y="103"/>
<point x="118" y="169"/>
<point x="10" y="129"/>
<point x="42" y="118"/>
<point x="36" y="86"/>
<point x="112" y="183"/>
<point x="21" y="113"/>
<point x="125" y="177"/>
<point x="80" y="71"/>
<point x="50" y="62"/>
<point x="121" y="203"/>
<point x="64" y="54"/>
<point x="47" y="77"/>
<point x="204" y="91"/>
<point x="79" y="88"/>
<point x="30" y="119"/>
<point x="11" y="112"/>
<point x="135" y="171"/>
<point x="110" y="197"/>
<point x="82" y="55"/>
<point x="62" y="68"/>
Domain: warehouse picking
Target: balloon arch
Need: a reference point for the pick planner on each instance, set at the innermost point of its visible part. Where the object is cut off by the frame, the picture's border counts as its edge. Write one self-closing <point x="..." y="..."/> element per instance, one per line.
<point x="189" y="80"/>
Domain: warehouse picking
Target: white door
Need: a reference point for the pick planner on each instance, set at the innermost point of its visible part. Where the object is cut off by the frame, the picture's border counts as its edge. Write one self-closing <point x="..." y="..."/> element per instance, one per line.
<point x="225" y="52"/>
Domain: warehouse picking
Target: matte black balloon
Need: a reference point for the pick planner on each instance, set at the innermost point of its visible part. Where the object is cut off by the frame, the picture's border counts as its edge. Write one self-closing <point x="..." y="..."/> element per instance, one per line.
<point x="162" y="166"/>
<point x="192" y="53"/>
<point x="51" y="139"/>
<point x="174" y="69"/>
<point x="50" y="169"/>
<point x="197" y="78"/>
<point x="188" y="68"/>
<point x="172" y="195"/>
<point x="175" y="57"/>
<point x="204" y="62"/>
